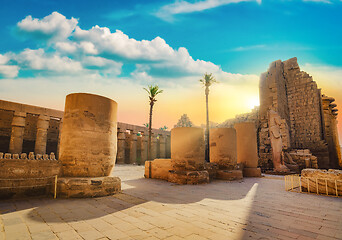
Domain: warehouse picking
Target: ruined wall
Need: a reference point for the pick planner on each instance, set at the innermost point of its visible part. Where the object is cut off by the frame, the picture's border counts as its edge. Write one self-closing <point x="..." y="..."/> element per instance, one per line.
<point x="295" y="96"/>
<point x="132" y="143"/>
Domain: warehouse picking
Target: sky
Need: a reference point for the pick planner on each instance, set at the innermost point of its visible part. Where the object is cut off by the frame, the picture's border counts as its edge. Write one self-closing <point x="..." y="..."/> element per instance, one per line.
<point x="112" y="48"/>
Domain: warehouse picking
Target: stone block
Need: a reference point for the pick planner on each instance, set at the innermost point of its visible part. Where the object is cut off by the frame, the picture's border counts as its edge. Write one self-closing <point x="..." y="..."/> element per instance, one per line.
<point x="188" y="177"/>
<point x="69" y="187"/>
<point x="229" y="175"/>
<point x="158" y="168"/>
<point x="251" y="172"/>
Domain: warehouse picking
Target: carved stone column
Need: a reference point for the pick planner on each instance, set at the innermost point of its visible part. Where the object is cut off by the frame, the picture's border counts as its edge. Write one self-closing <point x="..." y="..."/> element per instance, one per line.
<point x="59" y="135"/>
<point x="41" y="136"/>
<point x="168" y="146"/>
<point x="154" y="147"/>
<point x="121" y="146"/>
<point x="133" y="148"/>
<point x="162" y="146"/>
<point x="17" y="134"/>
<point x="144" y="147"/>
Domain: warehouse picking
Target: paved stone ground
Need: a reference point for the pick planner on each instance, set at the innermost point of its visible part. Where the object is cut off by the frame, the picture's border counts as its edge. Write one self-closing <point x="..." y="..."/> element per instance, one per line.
<point x="150" y="209"/>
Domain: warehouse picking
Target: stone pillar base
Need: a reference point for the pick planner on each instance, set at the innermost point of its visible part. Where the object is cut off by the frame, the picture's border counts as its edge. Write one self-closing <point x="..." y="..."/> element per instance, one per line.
<point x="78" y="187"/>
<point x="188" y="177"/>
<point x="252" y="172"/>
<point x="229" y="175"/>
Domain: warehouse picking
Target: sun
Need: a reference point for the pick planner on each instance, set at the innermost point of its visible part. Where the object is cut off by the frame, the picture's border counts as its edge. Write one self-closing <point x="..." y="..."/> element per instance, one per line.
<point x="253" y="102"/>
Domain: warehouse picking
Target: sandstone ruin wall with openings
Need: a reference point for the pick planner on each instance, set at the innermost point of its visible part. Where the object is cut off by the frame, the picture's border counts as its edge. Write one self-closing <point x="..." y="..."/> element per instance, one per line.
<point x="25" y="128"/>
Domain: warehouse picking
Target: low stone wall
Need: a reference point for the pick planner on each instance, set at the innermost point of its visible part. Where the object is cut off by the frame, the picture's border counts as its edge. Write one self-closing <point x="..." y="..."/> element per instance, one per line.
<point x="22" y="176"/>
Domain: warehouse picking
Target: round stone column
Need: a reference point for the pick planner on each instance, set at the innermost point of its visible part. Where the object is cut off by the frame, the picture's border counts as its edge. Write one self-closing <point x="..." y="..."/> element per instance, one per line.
<point x="223" y="147"/>
<point x="247" y="150"/>
<point x="41" y="136"/>
<point x="121" y="147"/>
<point x="88" y="146"/>
<point x="17" y="133"/>
<point x="187" y="143"/>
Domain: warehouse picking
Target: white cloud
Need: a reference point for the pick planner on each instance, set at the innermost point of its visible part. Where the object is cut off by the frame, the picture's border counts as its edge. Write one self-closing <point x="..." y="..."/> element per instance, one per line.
<point x="39" y="60"/>
<point x="248" y="48"/>
<point x="100" y="51"/>
<point x="7" y="71"/>
<point x="181" y="7"/>
<point x="54" y="26"/>
<point x="103" y="64"/>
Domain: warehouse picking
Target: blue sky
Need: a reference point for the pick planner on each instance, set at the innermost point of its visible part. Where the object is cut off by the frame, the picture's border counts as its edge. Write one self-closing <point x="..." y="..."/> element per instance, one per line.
<point x="51" y="48"/>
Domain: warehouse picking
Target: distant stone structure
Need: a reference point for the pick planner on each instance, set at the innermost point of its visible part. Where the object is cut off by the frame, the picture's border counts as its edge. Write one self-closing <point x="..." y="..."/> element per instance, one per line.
<point x="307" y="123"/>
<point x="307" y="118"/>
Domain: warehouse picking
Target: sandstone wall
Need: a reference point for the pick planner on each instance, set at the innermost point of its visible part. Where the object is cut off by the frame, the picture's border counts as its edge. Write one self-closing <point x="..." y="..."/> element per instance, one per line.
<point x="294" y="95"/>
<point x="128" y="133"/>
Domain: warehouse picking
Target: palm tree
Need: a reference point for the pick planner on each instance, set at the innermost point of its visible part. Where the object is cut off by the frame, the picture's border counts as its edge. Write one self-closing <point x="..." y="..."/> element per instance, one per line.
<point x="152" y="91"/>
<point x="207" y="80"/>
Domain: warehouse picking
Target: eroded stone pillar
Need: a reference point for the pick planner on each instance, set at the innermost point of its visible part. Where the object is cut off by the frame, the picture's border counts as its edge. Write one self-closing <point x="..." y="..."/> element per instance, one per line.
<point x="144" y="147"/>
<point x="187" y="144"/>
<point x="59" y="135"/>
<point x="88" y="146"/>
<point x="223" y="148"/>
<point x="41" y="136"/>
<point x="162" y="146"/>
<point x="17" y="134"/>
<point x="168" y="146"/>
<point x="154" y="147"/>
<point x="120" y="158"/>
<point x="133" y="148"/>
<point x="247" y="152"/>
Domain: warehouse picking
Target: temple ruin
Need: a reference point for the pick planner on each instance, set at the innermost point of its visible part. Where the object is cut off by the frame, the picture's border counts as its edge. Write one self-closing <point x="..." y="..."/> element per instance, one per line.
<point x="307" y="117"/>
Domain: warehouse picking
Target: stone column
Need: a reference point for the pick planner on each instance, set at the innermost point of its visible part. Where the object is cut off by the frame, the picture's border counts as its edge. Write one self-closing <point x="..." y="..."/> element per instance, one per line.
<point x="223" y="147"/>
<point x="187" y="144"/>
<point x="247" y="152"/>
<point x="133" y="148"/>
<point x="88" y="147"/>
<point x="162" y="146"/>
<point x="17" y="134"/>
<point x="120" y="158"/>
<point x="41" y="136"/>
<point x="59" y="136"/>
<point x="144" y="147"/>
<point x="168" y="146"/>
<point x="154" y="147"/>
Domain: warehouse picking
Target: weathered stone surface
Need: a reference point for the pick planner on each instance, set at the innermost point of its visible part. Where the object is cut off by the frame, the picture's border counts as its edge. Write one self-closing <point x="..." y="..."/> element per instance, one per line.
<point x="88" y="142"/>
<point x="322" y="181"/>
<point x="308" y="118"/>
<point x="27" y="177"/>
<point x="223" y="148"/>
<point x="229" y="175"/>
<point x="251" y="172"/>
<point x="187" y="143"/>
<point x="158" y="168"/>
<point x="247" y="152"/>
<point x="212" y="169"/>
<point x="188" y="177"/>
<point x="87" y="187"/>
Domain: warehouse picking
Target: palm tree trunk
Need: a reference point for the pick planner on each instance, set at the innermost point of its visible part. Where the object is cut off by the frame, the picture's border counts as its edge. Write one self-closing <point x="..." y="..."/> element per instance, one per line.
<point x="149" y="155"/>
<point x="207" y="128"/>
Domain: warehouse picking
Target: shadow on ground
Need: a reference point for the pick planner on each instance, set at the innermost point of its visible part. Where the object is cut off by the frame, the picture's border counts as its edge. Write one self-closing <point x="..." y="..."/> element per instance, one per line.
<point x="136" y="192"/>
